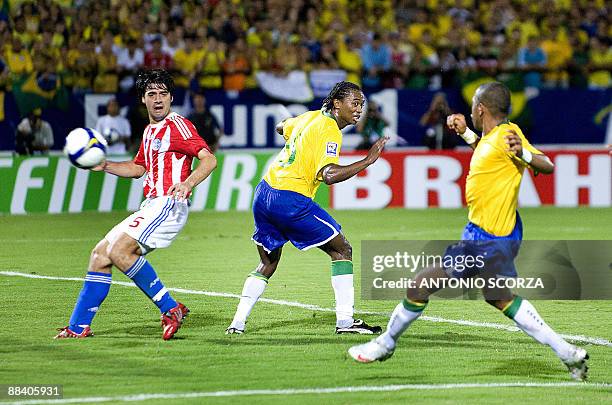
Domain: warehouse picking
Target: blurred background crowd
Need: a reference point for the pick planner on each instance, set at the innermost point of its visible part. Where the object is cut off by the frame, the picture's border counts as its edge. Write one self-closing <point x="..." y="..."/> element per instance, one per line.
<point x="98" y="46"/>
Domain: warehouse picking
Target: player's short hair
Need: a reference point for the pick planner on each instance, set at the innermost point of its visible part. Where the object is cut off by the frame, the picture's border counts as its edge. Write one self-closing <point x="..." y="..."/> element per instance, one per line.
<point x="339" y="92"/>
<point x="153" y="77"/>
<point x="496" y="97"/>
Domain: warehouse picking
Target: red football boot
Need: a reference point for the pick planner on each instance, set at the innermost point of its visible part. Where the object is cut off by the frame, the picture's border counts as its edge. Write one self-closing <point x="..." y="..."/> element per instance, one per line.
<point x="172" y="320"/>
<point x="66" y="333"/>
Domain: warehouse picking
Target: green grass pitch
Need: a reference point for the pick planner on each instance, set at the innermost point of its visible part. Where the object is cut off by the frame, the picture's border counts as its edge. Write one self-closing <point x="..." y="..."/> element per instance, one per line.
<point x="285" y="347"/>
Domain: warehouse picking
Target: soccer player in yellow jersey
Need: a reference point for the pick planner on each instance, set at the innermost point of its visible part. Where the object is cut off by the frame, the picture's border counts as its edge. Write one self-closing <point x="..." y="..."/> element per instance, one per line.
<point x="284" y="210"/>
<point x="494" y="230"/>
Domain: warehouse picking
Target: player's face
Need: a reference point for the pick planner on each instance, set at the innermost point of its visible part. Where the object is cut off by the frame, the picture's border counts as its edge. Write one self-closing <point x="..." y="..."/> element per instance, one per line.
<point x="350" y="108"/>
<point x="157" y="98"/>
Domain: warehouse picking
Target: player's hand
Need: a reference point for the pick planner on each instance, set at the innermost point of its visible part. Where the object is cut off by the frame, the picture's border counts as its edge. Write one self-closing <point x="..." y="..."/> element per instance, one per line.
<point x="100" y="167"/>
<point x="457" y="123"/>
<point x="514" y="143"/>
<point x="179" y="191"/>
<point x="376" y="149"/>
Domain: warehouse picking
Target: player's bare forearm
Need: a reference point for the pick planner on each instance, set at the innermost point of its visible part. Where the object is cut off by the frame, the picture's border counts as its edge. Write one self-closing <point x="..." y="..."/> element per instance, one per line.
<point x="122" y="169"/>
<point x="334" y="173"/>
<point x="542" y="164"/>
<point x="208" y="163"/>
<point x="538" y="162"/>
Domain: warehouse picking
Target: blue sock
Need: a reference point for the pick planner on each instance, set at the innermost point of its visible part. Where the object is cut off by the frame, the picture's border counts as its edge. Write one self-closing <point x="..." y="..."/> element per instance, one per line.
<point x="94" y="291"/>
<point x="143" y="275"/>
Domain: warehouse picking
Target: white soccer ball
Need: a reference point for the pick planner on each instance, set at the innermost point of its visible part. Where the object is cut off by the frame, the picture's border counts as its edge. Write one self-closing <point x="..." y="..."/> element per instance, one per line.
<point x="85" y="147"/>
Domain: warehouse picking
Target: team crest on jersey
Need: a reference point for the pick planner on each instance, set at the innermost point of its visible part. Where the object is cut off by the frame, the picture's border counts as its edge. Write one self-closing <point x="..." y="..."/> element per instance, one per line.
<point x="332" y="149"/>
<point x="156" y="144"/>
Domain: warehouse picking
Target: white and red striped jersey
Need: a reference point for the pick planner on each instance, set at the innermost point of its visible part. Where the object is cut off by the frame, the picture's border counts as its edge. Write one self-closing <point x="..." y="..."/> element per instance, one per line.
<point x="166" y="152"/>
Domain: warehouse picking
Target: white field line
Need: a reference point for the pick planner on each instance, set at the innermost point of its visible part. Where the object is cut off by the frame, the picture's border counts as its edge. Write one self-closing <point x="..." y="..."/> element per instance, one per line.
<point x="309" y="391"/>
<point x="575" y="338"/>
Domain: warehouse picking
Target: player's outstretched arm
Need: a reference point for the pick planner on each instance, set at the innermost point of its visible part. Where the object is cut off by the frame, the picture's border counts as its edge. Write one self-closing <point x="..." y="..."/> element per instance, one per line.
<point x="334" y="173"/>
<point x="121" y="169"/>
<point x="457" y="123"/>
<point x="208" y="163"/>
<point x="539" y="163"/>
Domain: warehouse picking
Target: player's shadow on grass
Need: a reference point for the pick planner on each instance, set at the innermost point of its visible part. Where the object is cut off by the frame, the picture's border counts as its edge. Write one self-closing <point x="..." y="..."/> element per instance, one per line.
<point x="207" y="319"/>
<point x="309" y="323"/>
<point x="525" y="367"/>
<point x="452" y="338"/>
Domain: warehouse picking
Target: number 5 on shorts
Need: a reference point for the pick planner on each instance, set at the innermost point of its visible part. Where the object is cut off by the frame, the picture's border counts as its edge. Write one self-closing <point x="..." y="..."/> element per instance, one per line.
<point x="136" y="222"/>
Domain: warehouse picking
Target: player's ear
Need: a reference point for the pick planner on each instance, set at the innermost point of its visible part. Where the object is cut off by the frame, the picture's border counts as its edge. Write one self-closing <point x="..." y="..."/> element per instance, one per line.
<point x="171" y="98"/>
<point x="142" y="99"/>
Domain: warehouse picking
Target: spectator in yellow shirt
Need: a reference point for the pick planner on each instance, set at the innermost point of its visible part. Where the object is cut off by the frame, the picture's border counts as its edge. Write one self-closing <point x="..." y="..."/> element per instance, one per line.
<point x="18" y="59"/>
<point x="186" y="62"/>
<point x="600" y="64"/>
<point x="210" y="66"/>
<point x="349" y="58"/>
<point x="107" y="79"/>
<point x="558" y="53"/>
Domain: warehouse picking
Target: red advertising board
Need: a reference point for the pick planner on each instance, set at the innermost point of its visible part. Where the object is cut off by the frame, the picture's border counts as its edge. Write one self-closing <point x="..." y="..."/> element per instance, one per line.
<point x="420" y="179"/>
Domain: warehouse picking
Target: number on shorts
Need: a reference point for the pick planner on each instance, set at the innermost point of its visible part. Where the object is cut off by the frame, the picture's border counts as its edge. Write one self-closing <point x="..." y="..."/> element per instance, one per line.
<point x="136" y="222"/>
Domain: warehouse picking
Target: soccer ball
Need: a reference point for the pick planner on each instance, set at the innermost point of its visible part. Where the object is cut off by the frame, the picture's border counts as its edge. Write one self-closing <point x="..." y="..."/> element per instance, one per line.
<point x="85" y="147"/>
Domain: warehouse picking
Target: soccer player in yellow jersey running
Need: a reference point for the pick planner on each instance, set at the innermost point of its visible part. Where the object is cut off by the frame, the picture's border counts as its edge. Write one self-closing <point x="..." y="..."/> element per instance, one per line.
<point x="284" y="210"/>
<point x="494" y="230"/>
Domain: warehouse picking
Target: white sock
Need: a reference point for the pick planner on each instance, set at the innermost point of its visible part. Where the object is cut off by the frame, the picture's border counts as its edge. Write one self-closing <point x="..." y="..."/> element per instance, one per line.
<point x="345" y="299"/>
<point x="254" y="287"/>
<point x="529" y="321"/>
<point x="400" y="319"/>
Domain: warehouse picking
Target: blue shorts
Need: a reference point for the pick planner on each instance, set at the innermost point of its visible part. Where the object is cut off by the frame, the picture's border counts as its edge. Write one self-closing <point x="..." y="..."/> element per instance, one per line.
<point x="282" y="216"/>
<point x="496" y="253"/>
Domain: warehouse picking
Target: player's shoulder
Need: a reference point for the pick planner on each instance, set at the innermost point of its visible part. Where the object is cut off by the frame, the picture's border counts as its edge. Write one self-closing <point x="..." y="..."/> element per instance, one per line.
<point x="176" y="117"/>
<point x="181" y="124"/>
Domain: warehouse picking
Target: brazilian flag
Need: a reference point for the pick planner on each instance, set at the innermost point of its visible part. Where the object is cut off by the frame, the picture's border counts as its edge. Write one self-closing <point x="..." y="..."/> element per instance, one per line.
<point x="39" y="91"/>
<point x="520" y="113"/>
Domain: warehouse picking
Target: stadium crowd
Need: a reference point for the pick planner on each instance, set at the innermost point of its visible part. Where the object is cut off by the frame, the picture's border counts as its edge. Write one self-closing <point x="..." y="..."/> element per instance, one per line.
<point x="98" y="46"/>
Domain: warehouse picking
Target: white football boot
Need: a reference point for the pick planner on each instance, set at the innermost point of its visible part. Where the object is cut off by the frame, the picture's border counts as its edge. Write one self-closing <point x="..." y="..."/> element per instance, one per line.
<point x="576" y="363"/>
<point x="371" y="351"/>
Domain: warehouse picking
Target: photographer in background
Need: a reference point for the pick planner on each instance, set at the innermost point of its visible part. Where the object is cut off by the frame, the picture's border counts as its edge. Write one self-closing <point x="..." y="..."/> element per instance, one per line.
<point x="437" y="134"/>
<point x="33" y="134"/>
<point x="372" y="126"/>
<point x="115" y="128"/>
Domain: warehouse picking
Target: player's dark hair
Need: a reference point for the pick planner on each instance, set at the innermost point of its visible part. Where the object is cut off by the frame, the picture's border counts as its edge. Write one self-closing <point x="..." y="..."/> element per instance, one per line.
<point x="153" y="77"/>
<point x="339" y="92"/>
<point x="496" y="97"/>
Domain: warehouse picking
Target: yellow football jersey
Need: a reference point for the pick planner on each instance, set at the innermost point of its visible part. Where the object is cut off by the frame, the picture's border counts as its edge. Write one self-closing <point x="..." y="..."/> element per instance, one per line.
<point x="492" y="185"/>
<point x="313" y="140"/>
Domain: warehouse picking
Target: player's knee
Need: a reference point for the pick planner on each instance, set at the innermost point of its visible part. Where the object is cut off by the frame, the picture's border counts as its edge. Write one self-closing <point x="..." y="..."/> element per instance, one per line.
<point x="99" y="257"/>
<point x="346" y="251"/>
<point x="119" y="254"/>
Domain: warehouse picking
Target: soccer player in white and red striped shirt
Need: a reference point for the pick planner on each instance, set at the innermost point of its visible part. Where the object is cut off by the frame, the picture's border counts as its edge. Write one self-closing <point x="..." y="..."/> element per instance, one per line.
<point x="169" y="144"/>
